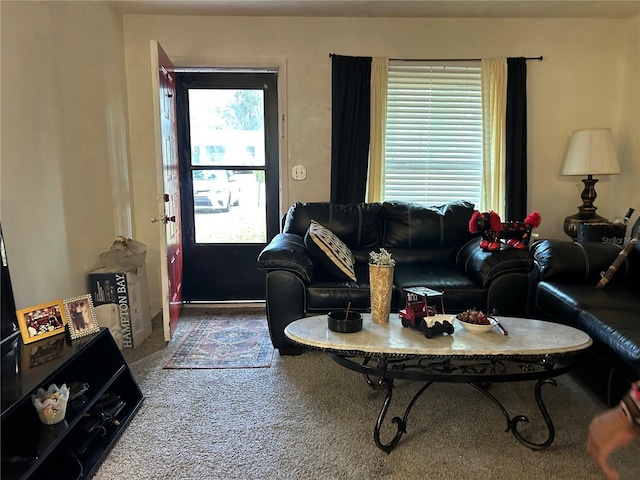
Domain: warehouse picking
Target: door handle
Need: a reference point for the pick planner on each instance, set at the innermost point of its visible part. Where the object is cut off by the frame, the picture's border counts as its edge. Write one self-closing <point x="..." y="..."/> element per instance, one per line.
<point x="164" y="219"/>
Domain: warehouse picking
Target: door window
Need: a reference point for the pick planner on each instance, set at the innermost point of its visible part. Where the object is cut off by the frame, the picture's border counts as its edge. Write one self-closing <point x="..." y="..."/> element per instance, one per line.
<point x="227" y="165"/>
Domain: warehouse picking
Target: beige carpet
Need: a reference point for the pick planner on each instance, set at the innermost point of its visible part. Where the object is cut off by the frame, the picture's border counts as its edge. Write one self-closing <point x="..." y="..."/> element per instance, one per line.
<point x="306" y="418"/>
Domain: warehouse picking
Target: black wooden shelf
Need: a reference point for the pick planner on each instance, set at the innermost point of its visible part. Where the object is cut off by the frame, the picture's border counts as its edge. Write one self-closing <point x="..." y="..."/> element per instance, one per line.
<point x="32" y="450"/>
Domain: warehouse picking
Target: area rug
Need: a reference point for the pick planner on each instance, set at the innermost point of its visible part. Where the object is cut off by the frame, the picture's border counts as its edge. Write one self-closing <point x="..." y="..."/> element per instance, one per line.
<point x="217" y="341"/>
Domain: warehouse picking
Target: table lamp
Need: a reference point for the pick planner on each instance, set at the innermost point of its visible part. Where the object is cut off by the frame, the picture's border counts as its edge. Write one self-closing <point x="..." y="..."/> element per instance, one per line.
<point x="591" y="152"/>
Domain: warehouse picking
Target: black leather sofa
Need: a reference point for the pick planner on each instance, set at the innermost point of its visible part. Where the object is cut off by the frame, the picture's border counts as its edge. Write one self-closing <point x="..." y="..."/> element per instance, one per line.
<point x="566" y="274"/>
<point x="432" y="247"/>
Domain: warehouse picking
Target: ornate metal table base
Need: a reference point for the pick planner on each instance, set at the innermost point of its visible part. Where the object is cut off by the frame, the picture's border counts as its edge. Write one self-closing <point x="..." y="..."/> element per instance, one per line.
<point x="478" y="372"/>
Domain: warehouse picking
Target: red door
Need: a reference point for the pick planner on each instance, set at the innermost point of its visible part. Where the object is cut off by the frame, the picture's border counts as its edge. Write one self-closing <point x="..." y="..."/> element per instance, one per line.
<point x="169" y="208"/>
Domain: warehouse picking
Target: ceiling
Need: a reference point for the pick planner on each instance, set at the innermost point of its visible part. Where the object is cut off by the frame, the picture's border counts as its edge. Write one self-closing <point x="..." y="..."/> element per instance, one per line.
<point x="387" y="8"/>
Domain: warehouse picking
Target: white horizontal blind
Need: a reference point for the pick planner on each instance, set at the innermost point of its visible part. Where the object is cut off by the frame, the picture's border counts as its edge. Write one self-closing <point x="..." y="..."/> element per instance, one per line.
<point x="433" y="142"/>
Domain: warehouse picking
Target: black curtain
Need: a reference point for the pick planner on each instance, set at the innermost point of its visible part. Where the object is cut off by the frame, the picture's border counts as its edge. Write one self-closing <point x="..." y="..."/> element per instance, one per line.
<point x="350" y="120"/>
<point x="516" y="141"/>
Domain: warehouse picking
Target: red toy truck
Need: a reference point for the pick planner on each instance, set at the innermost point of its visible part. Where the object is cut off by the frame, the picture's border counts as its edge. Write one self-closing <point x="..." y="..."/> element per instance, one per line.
<point x="418" y="309"/>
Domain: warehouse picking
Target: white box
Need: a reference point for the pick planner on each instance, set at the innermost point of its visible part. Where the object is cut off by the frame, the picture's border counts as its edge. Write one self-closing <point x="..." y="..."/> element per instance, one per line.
<point x="121" y="301"/>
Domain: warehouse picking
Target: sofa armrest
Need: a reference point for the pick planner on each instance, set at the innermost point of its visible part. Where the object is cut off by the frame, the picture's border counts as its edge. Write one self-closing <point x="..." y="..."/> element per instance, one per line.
<point x="484" y="267"/>
<point x="287" y="251"/>
<point x="574" y="262"/>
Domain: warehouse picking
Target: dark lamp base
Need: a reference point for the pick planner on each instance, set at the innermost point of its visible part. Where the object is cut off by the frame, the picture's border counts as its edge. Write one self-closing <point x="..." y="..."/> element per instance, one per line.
<point x="571" y="223"/>
<point x="586" y="211"/>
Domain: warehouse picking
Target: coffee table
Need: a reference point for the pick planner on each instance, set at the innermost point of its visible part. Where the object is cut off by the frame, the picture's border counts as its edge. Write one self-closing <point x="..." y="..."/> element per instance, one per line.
<point x="533" y="350"/>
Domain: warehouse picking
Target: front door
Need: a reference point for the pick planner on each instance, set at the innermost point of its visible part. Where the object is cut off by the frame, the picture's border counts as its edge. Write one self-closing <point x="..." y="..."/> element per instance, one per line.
<point x="164" y="98"/>
<point x="228" y="147"/>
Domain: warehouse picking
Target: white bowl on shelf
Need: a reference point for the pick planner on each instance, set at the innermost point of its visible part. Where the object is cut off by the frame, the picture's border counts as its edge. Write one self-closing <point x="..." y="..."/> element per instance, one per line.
<point x="478" y="328"/>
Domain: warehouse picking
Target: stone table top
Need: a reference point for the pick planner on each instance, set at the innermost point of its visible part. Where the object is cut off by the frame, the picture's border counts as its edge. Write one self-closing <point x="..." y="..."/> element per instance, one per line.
<point x="526" y="337"/>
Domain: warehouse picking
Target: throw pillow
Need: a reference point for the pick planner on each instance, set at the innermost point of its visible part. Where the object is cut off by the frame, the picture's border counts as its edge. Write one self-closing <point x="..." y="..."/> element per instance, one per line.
<point x="330" y="251"/>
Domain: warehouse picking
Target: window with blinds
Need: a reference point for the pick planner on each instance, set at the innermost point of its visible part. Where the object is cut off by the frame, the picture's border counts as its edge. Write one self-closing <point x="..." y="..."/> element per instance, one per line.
<point x="433" y="142"/>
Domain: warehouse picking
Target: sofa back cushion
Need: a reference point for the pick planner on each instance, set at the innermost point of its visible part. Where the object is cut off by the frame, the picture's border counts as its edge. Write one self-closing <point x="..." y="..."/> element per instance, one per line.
<point x="359" y="225"/>
<point x="564" y="261"/>
<point x="413" y="226"/>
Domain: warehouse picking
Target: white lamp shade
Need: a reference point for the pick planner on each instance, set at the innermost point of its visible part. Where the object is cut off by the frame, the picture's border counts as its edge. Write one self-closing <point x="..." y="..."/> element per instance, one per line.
<point x="591" y="152"/>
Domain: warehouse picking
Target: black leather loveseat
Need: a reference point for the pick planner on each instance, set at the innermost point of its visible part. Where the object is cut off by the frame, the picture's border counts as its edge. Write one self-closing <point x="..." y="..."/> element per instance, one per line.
<point x="565" y="292"/>
<point x="432" y="247"/>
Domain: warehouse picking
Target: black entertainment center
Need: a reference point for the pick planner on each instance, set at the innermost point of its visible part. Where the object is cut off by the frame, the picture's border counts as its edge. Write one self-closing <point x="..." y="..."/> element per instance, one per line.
<point x="8" y="323"/>
<point x="104" y="399"/>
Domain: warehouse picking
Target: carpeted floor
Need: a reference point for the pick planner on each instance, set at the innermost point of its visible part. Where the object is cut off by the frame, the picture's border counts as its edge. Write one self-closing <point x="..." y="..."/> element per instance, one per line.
<point x="308" y="418"/>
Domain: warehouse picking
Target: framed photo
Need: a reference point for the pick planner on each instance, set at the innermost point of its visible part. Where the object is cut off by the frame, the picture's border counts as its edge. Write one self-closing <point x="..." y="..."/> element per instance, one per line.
<point x="41" y="321"/>
<point x="82" y="316"/>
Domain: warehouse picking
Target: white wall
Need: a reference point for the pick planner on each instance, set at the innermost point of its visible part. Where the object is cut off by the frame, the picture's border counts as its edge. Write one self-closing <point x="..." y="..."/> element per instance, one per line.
<point x="589" y="77"/>
<point x="64" y="151"/>
<point x="628" y="125"/>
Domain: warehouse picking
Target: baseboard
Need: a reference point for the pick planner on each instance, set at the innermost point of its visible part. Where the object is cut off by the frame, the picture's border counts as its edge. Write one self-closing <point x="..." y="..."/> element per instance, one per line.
<point x="249" y="304"/>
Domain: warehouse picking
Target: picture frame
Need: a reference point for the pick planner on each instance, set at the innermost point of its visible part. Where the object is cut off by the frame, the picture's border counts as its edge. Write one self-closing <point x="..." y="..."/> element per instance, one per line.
<point x="41" y="321"/>
<point x="81" y="316"/>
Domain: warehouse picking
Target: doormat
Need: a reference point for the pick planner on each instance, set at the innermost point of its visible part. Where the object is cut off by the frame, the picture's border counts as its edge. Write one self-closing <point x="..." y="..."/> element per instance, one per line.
<point x="236" y="342"/>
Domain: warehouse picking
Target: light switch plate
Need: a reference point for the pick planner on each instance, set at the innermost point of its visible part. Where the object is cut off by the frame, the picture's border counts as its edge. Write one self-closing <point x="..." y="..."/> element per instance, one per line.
<point x="299" y="172"/>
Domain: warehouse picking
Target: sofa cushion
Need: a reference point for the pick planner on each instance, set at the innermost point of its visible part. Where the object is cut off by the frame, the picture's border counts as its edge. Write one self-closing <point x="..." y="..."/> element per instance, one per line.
<point x="359" y="226"/>
<point x="460" y="292"/>
<point x="565" y="301"/>
<point x="328" y="293"/>
<point x="431" y="256"/>
<point x="428" y="256"/>
<point x="409" y="225"/>
<point x="615" y="330"/>
<point x="575" y="262"/>
<point x="330" y="251"/>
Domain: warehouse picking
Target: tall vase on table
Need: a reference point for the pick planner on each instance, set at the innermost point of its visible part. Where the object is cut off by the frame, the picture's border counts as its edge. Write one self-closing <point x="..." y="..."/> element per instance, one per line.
<point x="381" y="269"/>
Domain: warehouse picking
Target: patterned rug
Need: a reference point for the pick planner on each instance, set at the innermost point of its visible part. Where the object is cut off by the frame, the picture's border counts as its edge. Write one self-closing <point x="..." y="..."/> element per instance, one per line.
<point x="224" y="341"/>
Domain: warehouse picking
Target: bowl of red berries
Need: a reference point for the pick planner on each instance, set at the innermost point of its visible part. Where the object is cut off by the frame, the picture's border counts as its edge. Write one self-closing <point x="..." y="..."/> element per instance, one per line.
<point x="476" y="321"/>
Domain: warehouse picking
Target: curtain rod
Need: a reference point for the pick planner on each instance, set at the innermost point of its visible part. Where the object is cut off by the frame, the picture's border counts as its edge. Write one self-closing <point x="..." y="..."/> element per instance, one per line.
<point x="445" y="59"/>
<point x="452" y="59"/>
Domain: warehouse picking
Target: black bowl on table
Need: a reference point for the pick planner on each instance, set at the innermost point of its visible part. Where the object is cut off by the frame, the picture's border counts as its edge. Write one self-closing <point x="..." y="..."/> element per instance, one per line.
<point x="338" y="321"/>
